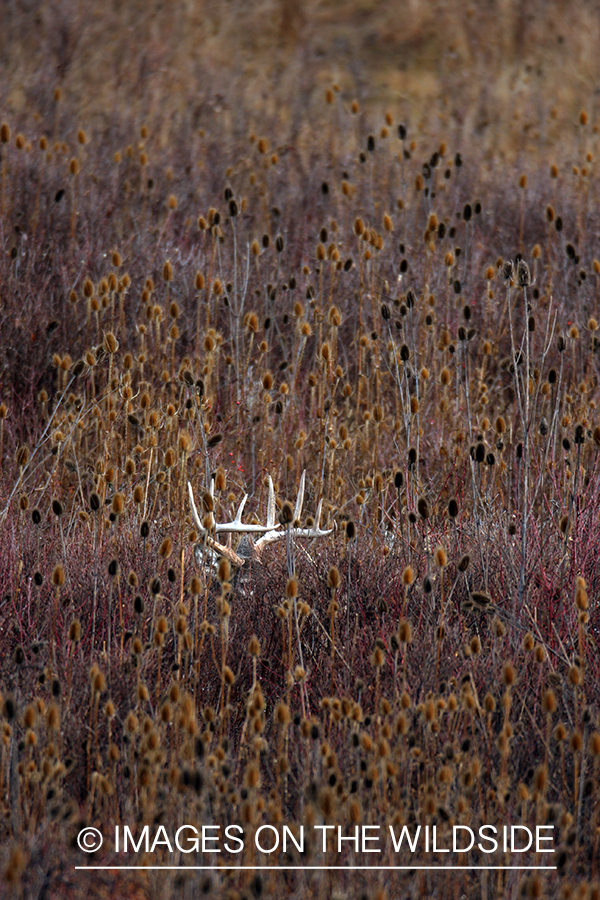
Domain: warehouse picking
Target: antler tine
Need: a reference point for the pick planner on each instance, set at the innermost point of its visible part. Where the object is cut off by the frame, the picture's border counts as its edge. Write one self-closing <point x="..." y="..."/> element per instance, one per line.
<point x="273" y="534"/>
<point x="238" y="515"/>
<point x="315" y="531"/>
<point x="195" y="515"/>
<point x="271" y="506"/>
<point x="318" y="515"/>
<point x="237" y="526"/>
<point x="300" y="498"/>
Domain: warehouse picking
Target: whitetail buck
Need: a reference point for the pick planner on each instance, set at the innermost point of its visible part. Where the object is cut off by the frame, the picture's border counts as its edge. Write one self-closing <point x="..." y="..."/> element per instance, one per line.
<point x="249" y="550"/>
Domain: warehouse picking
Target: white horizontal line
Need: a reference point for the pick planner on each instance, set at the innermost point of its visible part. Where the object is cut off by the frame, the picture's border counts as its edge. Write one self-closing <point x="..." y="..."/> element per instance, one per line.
<point x="312" y="868"/>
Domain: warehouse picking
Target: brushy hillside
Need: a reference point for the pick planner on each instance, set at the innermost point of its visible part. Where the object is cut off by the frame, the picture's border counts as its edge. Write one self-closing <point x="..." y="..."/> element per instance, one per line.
<point x="240" y="241"/>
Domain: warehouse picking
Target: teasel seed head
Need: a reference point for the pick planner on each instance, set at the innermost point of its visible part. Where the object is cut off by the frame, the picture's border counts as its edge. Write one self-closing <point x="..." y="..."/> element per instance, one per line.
<point x="58" y="576"/>
<point x="286" y="516"/>
<point x="405" y="632"/>
<point x="110" y="344"/>
<point x="594" y="743"/>
<point x="75" y="631"/>
<point x="576" y="741"/>
<point x="166" y="548"/>
<point x="440" y="557"/>
<point x="408" y="576"/>
<point x="581" y="596"/>
<point x="560" y="732"/>
<point x="132" y="722"/>
<point x="475" y="645"/>
<point x="333" y="578"/>
<point x="423" y="508"/>
<point x="22" y="456"/>
<point x="118" y="504"/>
<point x="508" y="674"/>
<point x="549" y="704"/>
<point x="563" y="524"/>
<point x="223" y="570"/>
<point x="480" y="599"/>
<point x="489" y="703"/>
<point x="523" y="274"/>
<point x="98" y="681"/>
<point x="463" y="563"/>
<point x="254" y="647"/>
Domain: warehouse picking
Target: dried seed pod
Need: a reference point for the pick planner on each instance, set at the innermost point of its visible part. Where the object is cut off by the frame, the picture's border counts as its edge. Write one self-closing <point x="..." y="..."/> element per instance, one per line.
<point x="423" y="508"/>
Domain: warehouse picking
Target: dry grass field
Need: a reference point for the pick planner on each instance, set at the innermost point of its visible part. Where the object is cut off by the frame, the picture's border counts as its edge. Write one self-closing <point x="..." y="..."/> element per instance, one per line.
<point x="348" y="245"/>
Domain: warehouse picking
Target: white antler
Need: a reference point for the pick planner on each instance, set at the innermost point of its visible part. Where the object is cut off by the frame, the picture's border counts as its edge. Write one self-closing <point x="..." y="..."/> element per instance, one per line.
<point x="271" y="506"/>
<point x="300" y="498"/>
<point x="314" y="532"/>
<point x="270" y="532"/>
<point x="234" y="527"/>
